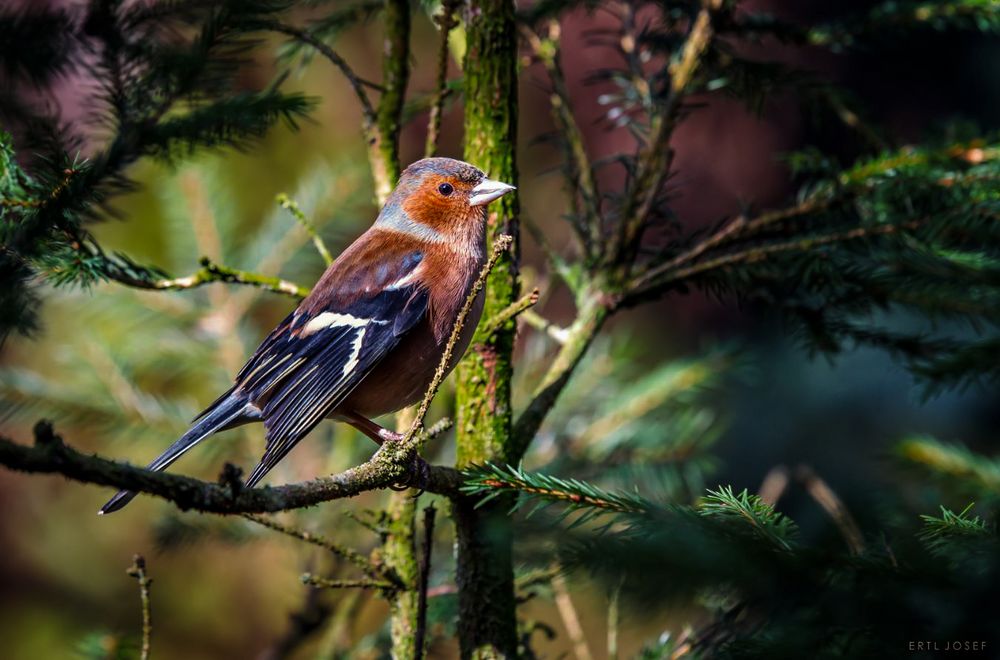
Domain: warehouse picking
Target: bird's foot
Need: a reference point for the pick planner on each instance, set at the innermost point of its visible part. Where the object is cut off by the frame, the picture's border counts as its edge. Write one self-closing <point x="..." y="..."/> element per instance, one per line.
<point x="390" y="436"/>
<point x="418" y="475"/>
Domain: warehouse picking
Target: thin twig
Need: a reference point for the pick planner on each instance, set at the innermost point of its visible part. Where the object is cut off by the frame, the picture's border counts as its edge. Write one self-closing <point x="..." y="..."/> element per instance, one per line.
<point x="542" y="324"/>
<point x="138" y="571"/>
<point x="425" y="574"/>
<point x="774" y="485"/>
<point x="357" y="84"/>
<point x="500" y="245"/>
<point x="657" y="278"/>
<point x="213" y="272"/>
<point x="570" y="618"/>
<point x="614" y="620"/>
<point x="825" y="496"/>
<point x="292" y="207"/>
<point x="582" y="185"/>
<point x="655" y="158"/>
<point x="446" y="20"/>
<point x="498" y="320"/>
<point x="351" y="555"/>
<point x="325" y="583"/>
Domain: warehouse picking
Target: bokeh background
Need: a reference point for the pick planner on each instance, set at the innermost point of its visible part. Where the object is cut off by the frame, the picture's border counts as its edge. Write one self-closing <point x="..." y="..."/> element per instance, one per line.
<point x="121" y="371"/>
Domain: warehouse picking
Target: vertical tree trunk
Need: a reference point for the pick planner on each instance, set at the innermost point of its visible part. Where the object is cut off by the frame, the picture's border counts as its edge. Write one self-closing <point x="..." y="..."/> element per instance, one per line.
<point x="487" y="620"/>
<point x="401" y="556"/>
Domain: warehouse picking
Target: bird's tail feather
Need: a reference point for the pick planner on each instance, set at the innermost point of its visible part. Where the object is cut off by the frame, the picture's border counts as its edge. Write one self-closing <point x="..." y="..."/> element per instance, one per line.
<point x="226" y="412"/>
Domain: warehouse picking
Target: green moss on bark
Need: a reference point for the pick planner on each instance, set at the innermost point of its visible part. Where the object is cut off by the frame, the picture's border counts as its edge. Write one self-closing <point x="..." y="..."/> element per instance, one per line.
<point x="487" y="617"/>
<point x="400" y="556"/>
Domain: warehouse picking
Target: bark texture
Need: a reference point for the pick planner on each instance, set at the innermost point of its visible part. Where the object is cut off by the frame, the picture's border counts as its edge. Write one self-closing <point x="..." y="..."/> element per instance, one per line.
<point x="487" y="617"/>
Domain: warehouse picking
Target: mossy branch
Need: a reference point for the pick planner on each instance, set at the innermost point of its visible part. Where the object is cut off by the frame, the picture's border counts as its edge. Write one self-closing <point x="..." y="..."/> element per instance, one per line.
<point x="326" y="583"/>
<point x="212" y="272"/>
<point x="51" y="455"/>
<point x="516" y="308"/>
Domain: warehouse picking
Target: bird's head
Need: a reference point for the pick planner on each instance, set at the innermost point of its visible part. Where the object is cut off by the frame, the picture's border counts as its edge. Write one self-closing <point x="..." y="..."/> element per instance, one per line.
<point x="441" y="198"/>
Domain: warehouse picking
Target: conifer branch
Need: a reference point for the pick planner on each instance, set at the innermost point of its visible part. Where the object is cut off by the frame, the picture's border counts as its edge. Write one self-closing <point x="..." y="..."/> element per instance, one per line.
<point x="656" y="279"/>
<point x="961" y="469"/>
<point x="654" y="160"/>
<point x="489" y="481"/>
<point x="723" y="504"/>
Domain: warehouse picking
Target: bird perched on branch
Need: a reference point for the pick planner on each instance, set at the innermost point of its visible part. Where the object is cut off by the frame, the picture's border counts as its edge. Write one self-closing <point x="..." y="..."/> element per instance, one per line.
<point x="369" y="337"/>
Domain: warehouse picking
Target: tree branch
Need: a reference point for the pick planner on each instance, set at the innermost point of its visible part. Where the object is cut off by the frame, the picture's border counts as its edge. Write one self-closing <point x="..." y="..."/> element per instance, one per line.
<point x="578" y="338"/>
<point x="542" y="324"/>
<point x="657" y="279"/>
<point x="654" y="160"/>
<point x="212" y="272"/>
<point x="290" y="205"/>
<point x="325" y="583"/>
<point x="357" y="84"/>
<point x="580" y="179"/>
<point x="51" y="455"/>
<point x="498" y="320"/>
<point x="425" y="574"/>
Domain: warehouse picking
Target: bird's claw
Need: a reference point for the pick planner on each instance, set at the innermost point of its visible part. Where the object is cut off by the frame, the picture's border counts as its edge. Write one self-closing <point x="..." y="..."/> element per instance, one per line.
<point x="418" y="476"/>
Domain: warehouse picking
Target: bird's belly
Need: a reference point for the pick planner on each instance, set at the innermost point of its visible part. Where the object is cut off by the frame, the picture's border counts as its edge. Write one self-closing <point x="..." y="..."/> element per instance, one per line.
<point x="403" y="376"/>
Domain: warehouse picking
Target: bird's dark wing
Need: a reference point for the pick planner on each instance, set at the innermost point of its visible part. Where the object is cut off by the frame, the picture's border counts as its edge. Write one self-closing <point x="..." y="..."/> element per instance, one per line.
<point x="322" y="351"/>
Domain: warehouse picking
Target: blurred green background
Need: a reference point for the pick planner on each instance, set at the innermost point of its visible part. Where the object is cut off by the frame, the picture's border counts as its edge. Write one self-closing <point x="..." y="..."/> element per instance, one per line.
<point x="120" y="372"/>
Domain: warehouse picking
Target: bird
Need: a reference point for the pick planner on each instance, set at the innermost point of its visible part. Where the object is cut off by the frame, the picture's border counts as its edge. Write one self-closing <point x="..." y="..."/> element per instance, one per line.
<point x="368" y="338"/>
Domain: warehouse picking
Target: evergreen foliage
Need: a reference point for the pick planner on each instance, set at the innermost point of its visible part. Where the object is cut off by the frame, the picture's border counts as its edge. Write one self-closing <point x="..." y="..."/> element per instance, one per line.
<point x="160" y="95"/>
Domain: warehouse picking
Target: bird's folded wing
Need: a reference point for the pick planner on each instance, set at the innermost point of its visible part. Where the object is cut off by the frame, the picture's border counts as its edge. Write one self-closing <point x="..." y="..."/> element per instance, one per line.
<point x="318" y="355"/>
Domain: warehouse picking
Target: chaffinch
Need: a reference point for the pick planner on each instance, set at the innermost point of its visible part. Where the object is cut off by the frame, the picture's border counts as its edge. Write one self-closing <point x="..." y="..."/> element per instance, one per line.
<point x="369" y="337"/>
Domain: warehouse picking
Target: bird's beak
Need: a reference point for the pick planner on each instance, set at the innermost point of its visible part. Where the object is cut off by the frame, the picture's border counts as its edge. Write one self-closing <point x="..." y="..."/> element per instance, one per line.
<point x="487" y="191"/>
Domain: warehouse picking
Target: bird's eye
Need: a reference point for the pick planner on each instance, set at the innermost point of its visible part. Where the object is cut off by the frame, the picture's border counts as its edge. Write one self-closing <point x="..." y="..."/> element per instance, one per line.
<point x="446" y="189"/>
